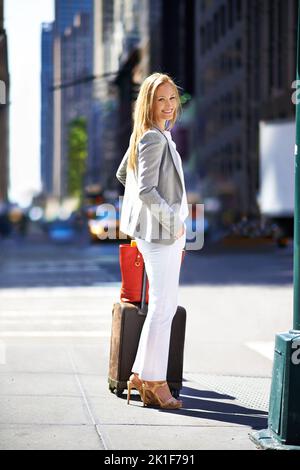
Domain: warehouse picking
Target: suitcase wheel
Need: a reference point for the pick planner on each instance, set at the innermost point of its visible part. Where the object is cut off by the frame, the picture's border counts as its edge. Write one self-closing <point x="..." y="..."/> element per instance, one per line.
<point x="116" y="391"/>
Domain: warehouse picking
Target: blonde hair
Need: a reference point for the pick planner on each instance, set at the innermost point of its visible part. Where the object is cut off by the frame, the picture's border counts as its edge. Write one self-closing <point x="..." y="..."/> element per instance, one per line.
<point x="144" y="114"/>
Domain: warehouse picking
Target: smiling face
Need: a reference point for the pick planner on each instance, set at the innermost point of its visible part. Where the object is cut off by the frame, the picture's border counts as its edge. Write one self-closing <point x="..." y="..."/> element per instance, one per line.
<point x="164" y="104"/>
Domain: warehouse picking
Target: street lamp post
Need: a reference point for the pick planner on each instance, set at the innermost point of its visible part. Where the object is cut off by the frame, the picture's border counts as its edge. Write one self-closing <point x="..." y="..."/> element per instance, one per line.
<point x="284" y="409"/>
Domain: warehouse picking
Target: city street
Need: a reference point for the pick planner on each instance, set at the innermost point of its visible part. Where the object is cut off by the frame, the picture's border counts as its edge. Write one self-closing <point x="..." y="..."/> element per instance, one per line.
<point x="104" y="133"/>
<point x="55" y="319"/>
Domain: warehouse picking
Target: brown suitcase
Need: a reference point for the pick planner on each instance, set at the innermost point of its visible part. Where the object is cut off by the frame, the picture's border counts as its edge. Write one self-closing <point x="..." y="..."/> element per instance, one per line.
<point x="127" y="323"/>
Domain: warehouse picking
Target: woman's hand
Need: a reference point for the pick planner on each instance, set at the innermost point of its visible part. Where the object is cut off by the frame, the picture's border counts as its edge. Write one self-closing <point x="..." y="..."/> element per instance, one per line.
<point x="180" y="232"/>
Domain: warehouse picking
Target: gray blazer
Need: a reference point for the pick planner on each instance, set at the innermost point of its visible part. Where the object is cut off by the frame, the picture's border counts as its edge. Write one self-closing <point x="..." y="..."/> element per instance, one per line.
<point x="153" y="192"/>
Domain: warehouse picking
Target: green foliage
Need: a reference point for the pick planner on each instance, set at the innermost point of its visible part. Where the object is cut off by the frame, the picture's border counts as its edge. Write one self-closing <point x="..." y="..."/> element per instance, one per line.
<point x="77" y="155"/>
<point x="185" y="98"/>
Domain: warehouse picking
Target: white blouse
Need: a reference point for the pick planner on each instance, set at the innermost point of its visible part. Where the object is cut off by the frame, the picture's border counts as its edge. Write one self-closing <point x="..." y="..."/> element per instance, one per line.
<point x="184" y="210"/>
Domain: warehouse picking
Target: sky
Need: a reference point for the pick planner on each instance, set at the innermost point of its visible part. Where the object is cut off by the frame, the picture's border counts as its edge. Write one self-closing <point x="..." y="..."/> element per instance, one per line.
<point x="23" y="19"/>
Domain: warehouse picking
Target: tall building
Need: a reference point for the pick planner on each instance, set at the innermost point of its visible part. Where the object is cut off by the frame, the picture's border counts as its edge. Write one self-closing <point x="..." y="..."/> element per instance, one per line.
<point x="47" y="108"/>
<point x="131" y="29"/>
<point x="76" y="73"/>
<point x="4" y="112"/>
<point x="116" y="39"/>
<point x="161" y="37"/>
<point x="121" y="34"/>
<point x="101" y="119"/>
<point x="172" y="38"/>
<point x="245" y="66"/>
<point x="67" y="12"/>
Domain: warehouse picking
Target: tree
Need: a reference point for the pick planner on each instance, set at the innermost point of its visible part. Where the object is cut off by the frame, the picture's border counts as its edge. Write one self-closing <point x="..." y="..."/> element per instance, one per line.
<point x="77" y="155"/>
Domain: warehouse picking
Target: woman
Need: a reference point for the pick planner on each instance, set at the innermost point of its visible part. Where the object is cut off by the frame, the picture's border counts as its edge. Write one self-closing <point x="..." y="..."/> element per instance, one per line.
<point x="153" y="212"/>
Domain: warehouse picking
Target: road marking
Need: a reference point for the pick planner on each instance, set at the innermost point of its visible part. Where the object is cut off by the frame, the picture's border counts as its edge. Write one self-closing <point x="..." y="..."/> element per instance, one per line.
<point x="44" y="313"/>
<point x="49" y="321"/>
<point x="50" y="269"/>
<point x="53" y="334"/>
<point x="36" y="267"/>
<point x="2" y="353"/>
<point x="7" y="314"/>
<point x="265" y="348"/>
<point x="102" y="289"/>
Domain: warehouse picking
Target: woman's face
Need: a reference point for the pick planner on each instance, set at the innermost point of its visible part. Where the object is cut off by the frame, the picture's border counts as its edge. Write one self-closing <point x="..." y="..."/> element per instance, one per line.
<point x="164" y="104"/>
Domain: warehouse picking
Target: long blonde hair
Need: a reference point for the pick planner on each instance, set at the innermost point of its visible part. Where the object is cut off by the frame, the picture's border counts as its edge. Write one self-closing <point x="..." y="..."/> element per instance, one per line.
<point x="144" y="114"/>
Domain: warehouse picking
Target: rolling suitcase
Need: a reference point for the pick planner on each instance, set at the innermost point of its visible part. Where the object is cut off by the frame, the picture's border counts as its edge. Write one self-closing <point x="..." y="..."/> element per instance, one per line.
<point x="127" y="323"/>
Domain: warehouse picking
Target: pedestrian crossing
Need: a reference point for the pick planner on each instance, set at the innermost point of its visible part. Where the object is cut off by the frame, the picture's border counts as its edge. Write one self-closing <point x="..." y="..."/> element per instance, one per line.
<point x="55" y="334"/>
<point x="41" y="313"/>
<point x="55" y="272"/>
<point x="56" y="266"/>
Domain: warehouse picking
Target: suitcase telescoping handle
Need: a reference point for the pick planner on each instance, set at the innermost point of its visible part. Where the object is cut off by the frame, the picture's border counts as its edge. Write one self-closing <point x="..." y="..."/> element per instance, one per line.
<point x="143" y="301"/>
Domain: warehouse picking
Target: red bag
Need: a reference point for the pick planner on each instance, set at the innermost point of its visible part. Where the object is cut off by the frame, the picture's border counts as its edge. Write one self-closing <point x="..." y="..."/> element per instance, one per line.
<point x="132" y="268"/>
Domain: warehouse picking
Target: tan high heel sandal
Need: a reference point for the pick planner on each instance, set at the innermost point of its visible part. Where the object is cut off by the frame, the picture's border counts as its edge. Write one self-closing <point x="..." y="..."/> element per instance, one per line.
<point x="151" y="397"/>
<point x="134" y="382"/>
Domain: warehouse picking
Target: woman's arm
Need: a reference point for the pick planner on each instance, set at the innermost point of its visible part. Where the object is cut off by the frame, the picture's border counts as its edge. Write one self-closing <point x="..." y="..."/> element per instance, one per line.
<point x="122" y="170"/>
<point x="149" y="158"/>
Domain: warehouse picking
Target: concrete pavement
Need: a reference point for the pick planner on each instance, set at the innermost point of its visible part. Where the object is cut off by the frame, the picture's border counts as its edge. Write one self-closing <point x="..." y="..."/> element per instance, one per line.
<point x="53" y="371"/>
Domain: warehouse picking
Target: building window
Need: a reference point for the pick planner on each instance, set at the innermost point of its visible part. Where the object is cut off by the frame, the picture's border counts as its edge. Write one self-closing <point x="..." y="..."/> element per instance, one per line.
<point x="209" y="35"/>
<point x="222" y="20"/>
<point x="201" y="86"/>
<point x="202" y="40"/>
<point x="238" y="104"/>
<point x="238" y="152"/>
<point x="281" y="33"/>
<point x="206" y="4"/>
<point x="238" y="10"/>
<point x="229" y="107"/>
<point x="238" y="53"/>
<point x="222" y="65"/>
<point x="216" y="27"/>
<point x="230" y="61"/>
<point x="230" y="13"/>
<point x="222" y="111"/>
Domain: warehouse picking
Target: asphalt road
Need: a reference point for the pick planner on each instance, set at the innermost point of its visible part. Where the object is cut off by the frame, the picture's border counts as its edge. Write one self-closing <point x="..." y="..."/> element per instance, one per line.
<point x="36" y="262"/>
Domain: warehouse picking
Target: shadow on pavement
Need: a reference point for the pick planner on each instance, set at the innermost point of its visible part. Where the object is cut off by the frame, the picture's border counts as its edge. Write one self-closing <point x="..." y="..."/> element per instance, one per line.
<point x="209" y="405"/>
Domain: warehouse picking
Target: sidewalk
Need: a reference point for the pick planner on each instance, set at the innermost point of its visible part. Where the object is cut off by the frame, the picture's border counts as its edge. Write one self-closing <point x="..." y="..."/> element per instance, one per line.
<point x="83" y="414"/>
<point x="53" y="366"/>
<point x="54" y="395"/>
<point x="210" y="420"/>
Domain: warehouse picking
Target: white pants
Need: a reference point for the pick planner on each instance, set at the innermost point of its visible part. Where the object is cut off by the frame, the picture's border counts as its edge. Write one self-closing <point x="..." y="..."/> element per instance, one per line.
<point x="162" y="263"/>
